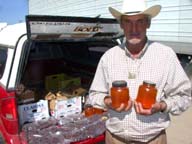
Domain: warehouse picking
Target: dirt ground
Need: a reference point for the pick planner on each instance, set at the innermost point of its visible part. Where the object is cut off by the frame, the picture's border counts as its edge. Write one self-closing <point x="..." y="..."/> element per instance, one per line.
<point x="180" y="130"/>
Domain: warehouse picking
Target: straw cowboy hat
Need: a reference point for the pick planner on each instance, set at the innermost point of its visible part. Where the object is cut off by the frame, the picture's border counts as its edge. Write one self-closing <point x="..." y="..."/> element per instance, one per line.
<point x="135" y="7"/>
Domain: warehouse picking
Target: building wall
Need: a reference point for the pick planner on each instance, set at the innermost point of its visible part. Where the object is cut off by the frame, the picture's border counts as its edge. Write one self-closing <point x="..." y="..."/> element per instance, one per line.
<point x="172" y="26"/>
<point x="174" y="21"/>
<point x="88" y="8"/>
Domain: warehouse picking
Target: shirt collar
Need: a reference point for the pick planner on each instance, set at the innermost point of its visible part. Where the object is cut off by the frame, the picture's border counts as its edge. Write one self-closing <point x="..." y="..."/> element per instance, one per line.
<point x="137" y="56"/>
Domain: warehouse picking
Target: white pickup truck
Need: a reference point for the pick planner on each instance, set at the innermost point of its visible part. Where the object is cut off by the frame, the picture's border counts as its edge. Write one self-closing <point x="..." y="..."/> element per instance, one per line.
<point x="44" y="46"/>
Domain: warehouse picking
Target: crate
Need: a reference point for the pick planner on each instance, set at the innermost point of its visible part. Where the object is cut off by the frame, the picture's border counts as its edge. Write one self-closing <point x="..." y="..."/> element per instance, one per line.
<point x="61" y="82"/>
<point x="70" y="82"/>
<point x="52" y="81"/>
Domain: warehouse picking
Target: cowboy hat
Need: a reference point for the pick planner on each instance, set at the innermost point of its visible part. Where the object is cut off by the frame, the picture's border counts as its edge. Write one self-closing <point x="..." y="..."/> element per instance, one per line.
<point x="135" y="7"/>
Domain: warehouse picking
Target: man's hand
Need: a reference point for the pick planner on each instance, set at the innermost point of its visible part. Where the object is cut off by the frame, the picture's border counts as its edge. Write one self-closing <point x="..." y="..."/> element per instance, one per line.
<point x="157" y="107"/>
<point x="123" y="107"/>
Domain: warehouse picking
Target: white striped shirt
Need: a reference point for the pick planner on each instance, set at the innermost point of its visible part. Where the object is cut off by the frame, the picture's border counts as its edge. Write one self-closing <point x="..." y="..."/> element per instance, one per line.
<point x="157" y="63"/>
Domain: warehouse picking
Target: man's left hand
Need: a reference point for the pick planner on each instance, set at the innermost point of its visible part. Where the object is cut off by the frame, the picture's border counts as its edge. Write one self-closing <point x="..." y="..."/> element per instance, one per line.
<point x="157" y="107"/>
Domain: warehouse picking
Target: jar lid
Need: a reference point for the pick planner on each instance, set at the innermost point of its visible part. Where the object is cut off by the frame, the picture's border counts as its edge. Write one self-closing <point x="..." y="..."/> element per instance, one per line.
<point x="149" y="83"/>
<point x="88" y="106"/>
<point x="119" y="83"/>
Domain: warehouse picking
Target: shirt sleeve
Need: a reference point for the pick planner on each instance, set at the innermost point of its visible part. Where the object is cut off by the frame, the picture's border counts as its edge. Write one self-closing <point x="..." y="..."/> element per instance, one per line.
<point x="178" y="89"/>
<point x="100" y="86"/>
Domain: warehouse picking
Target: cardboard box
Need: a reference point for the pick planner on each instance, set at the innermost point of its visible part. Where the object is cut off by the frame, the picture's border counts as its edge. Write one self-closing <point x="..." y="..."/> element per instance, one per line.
<point x="26" y="97"/>
<point x="67" y="107"/>
<point x="33" y="112"/>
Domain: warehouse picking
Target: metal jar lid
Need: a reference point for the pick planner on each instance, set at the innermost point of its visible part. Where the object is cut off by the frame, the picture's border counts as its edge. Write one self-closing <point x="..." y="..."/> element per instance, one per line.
<point x="150" y="83"/>
<point x="119" y="83"/>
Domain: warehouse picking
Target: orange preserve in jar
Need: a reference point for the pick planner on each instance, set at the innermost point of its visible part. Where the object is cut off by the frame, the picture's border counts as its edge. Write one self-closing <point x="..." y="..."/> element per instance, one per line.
<point x="98" y="110"/>
<point x="147" y="94"/>
<point x="89" y="110"/>
<point x="119" y="93"/>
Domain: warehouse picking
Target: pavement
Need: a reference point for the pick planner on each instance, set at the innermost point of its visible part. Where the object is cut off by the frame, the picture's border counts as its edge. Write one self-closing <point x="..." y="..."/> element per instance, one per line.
<point x="180" y="130"/>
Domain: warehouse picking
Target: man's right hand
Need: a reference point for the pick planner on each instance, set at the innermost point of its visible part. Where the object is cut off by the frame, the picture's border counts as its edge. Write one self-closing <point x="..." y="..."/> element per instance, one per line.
<point x="123" y="107"/>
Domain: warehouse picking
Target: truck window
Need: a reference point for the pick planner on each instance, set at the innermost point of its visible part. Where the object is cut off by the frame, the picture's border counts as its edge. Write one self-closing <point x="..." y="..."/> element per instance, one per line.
<point x="3" y="59"/>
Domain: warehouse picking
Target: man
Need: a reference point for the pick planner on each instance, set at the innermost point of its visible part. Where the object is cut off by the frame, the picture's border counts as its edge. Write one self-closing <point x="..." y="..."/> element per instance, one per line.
<point x="136" y="60"/>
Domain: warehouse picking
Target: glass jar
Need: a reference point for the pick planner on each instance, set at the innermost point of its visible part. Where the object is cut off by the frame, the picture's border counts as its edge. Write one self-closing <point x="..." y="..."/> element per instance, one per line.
<point x="119" y="93"/>
<point x="98" y="110"/>
<point x="89" y="110"/>
<point x="147" y="94"/>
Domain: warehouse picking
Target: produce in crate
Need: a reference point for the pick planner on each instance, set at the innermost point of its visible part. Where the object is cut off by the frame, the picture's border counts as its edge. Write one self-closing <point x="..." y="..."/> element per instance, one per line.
<point x="72" y="128"/>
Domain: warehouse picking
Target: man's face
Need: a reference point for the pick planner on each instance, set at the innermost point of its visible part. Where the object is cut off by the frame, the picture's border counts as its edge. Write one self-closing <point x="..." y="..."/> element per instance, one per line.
<point x="135" y="28"/>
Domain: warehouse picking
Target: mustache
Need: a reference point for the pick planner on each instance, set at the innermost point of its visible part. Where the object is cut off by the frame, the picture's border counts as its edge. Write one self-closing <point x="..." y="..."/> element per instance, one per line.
<point x="134" y="34"/>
